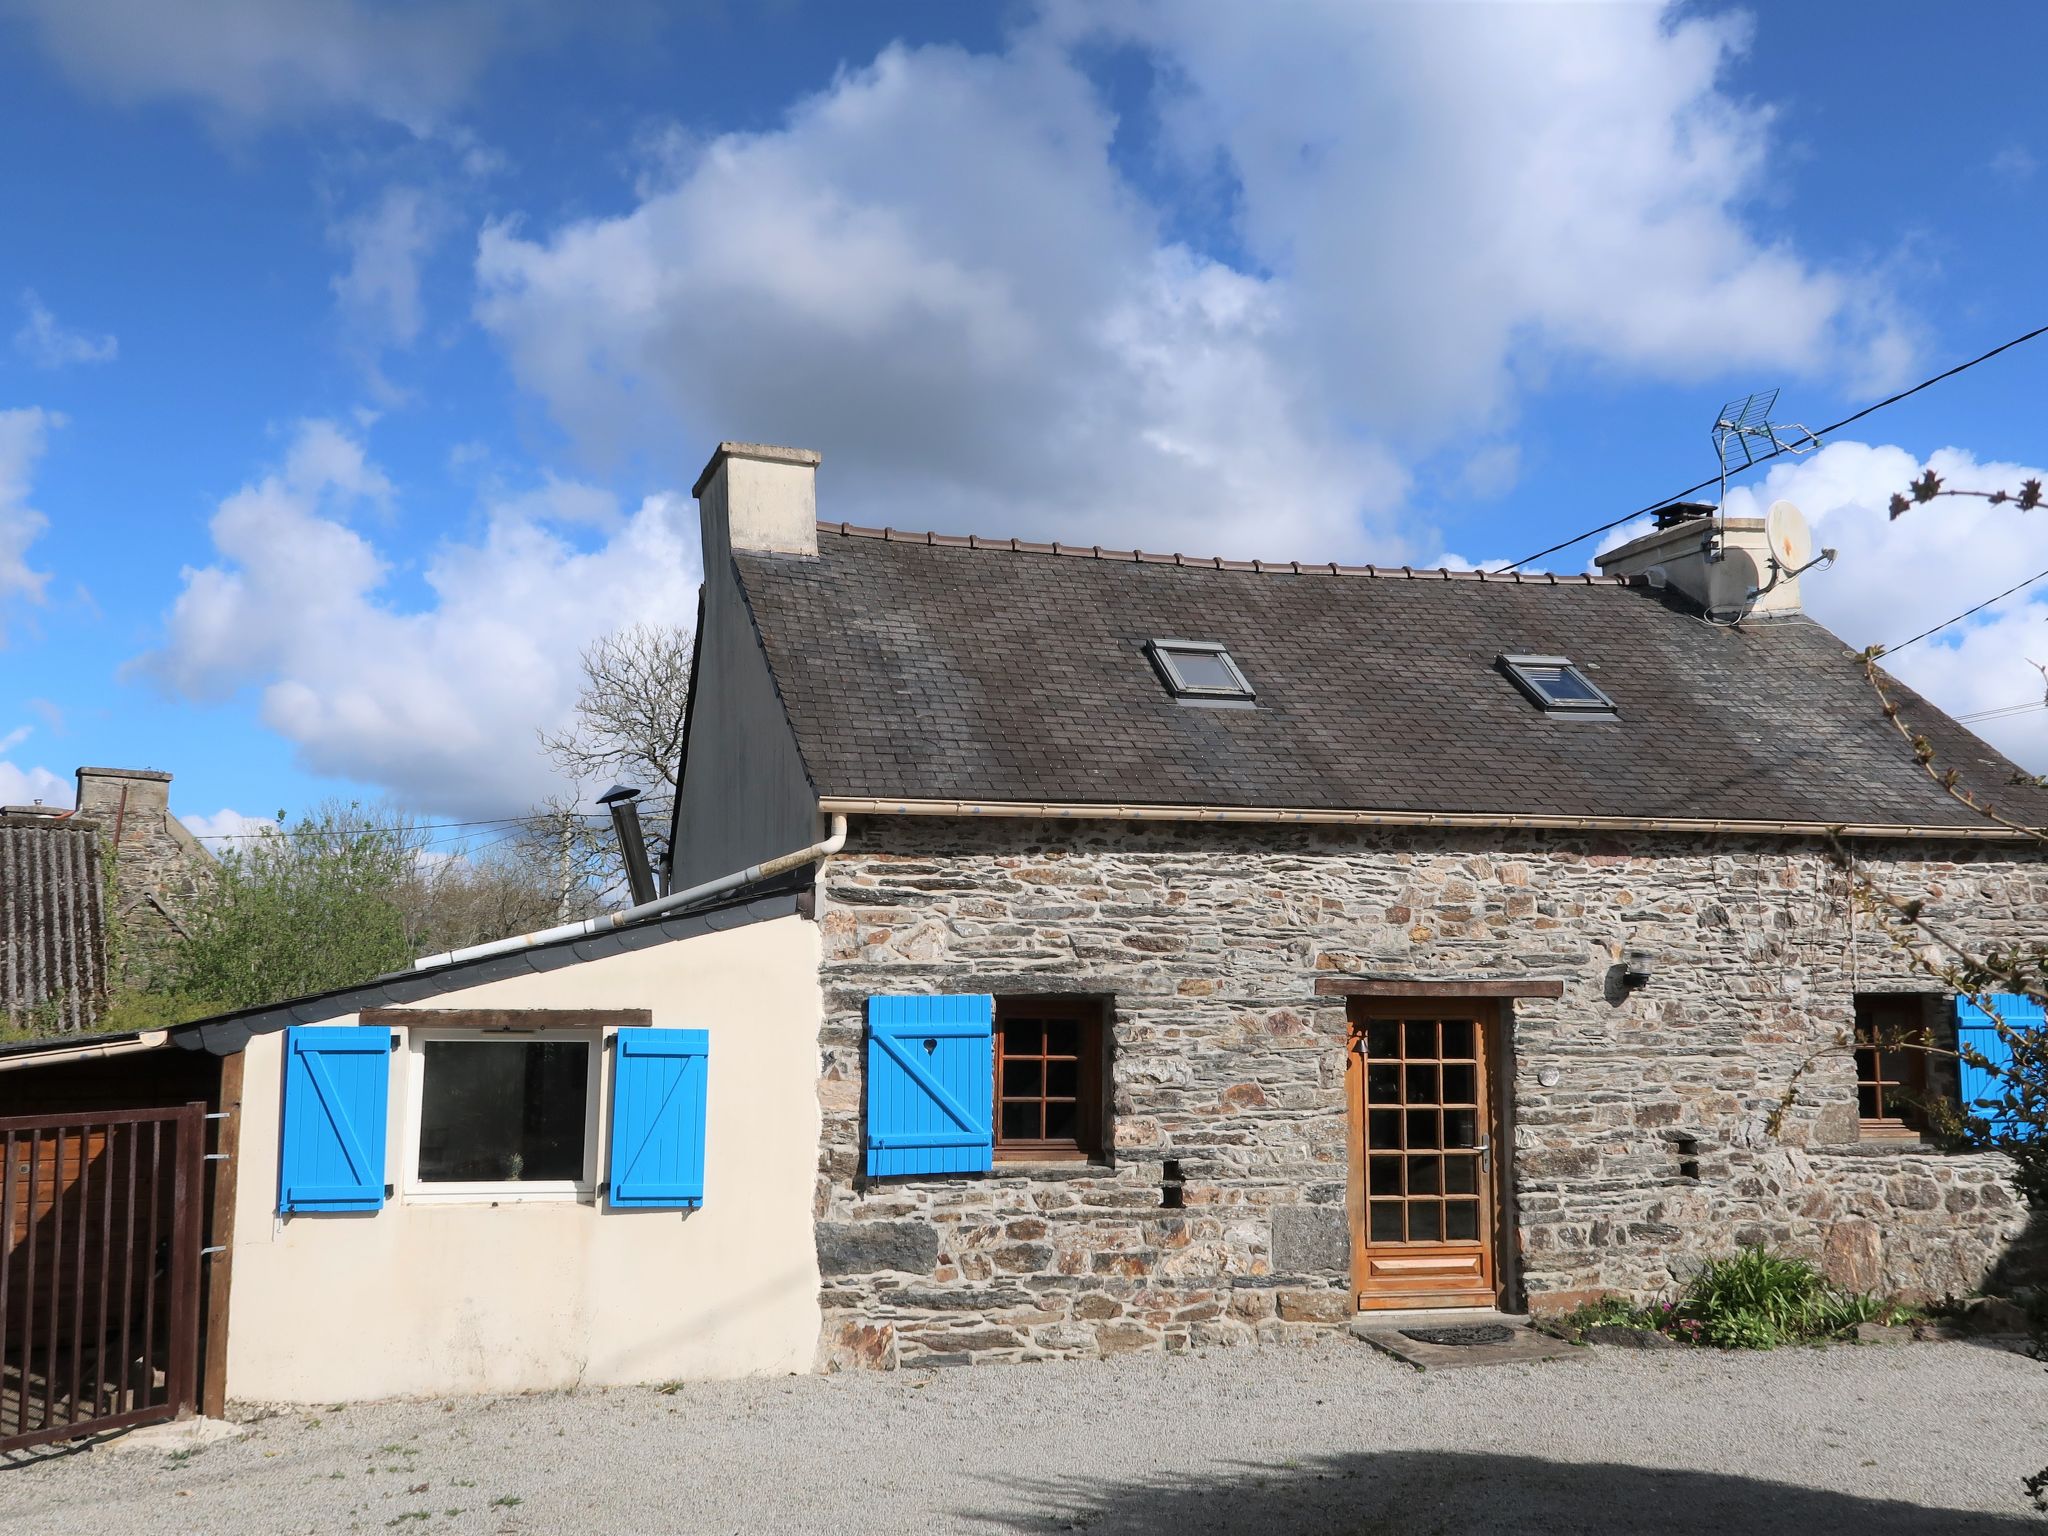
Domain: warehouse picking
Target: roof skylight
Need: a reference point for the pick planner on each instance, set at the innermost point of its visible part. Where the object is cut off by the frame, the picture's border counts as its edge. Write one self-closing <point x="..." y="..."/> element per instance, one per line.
<point x="1558" y="686"/>
<point x="1199" y="671"/>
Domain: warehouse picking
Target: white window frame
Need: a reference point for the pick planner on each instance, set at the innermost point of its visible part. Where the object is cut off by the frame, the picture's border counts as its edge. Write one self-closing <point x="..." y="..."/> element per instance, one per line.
<point x="504" y="1191"/>
<point x="1599" y="707"/>
<point x="1162" y="653"/>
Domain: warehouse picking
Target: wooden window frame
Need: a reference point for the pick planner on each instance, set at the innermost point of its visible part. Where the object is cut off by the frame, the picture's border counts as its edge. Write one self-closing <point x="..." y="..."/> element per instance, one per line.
<point x="1090" y="1143"/>
<point x="1900" y="1068"/>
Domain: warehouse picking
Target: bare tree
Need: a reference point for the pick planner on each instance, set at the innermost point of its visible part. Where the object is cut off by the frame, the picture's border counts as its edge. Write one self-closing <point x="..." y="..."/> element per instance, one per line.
<point x="628" y="729"/>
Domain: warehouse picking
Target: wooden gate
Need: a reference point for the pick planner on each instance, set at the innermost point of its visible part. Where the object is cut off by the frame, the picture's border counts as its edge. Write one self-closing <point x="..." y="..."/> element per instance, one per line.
<point x="99" y="1292"/>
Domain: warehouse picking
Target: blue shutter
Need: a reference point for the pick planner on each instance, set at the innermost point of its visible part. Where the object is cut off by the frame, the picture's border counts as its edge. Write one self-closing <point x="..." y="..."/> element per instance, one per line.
<point x="337" y="1082"/>
<point x="658" y="1082"/>
<point x="931" y="1084"/>
<point x="1982" y="1090"/>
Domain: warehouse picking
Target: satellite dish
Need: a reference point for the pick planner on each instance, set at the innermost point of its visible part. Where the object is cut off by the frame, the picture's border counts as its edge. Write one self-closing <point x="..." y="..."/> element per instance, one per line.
<point x="1731" y="584"/>
<point x="1790" y="539"/>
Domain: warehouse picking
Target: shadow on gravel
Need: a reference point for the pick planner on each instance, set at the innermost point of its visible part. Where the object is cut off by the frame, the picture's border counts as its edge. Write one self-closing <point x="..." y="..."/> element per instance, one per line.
<point x="1395" y="1493"/>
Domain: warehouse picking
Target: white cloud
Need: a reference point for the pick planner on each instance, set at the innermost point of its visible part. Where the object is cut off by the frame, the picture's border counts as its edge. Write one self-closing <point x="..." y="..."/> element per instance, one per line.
<point x="2014" y="163"/>
<point x="48" y="344"/>
<point x="22" y="436"/>
<point x="224" y="827"/>
<point x="251" y="61"/>
<point x="436" y="704"/>
<point x="380" y="291"/>
<point x="935" y="270"/>
<point x="1895" y="578"/>
<point x="26" y="786"/>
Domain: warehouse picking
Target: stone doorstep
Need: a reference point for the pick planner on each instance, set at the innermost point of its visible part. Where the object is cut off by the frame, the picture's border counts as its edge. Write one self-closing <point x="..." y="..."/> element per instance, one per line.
<point x="1382" y="1330"/>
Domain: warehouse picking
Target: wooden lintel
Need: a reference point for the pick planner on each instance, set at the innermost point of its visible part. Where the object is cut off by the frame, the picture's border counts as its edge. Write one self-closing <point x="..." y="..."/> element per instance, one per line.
<point x="509" y="1018"/>
<point x="1373" y="986"/>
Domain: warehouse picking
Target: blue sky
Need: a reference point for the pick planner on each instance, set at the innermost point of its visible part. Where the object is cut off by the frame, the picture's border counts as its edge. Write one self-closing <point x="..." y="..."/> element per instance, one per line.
<point x="355" y="359"/>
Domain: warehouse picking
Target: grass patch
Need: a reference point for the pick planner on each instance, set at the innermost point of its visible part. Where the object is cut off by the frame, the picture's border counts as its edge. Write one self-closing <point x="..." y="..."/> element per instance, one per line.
<point x="1754" y="1299"/>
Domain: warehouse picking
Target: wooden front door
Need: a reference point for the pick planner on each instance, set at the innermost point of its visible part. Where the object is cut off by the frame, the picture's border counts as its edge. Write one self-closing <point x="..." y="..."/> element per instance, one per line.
<point x="1423" y="1206"/>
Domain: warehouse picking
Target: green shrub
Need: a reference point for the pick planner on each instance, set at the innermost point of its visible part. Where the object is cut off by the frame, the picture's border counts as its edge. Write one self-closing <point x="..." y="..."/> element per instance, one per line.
<point x="1759" y="1300"/>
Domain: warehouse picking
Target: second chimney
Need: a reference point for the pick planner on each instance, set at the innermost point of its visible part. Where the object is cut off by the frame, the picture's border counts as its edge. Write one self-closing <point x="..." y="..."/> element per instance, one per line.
<point x="758" y="497"/>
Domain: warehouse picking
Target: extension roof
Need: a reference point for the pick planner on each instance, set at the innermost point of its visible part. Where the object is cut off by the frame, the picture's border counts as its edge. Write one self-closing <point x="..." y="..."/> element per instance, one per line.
<point x="917" y="667"/>
<point x="225" y="1033"/>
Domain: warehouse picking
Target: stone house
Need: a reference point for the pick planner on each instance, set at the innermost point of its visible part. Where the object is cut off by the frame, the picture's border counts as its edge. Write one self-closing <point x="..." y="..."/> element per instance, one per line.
<point x="1218" y="948"/>
<point x="58" y="868"/>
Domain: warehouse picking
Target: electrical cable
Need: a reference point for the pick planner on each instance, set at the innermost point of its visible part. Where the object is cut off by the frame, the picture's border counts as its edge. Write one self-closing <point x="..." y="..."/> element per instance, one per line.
<point x="1891" y="650"/>
<point x="1715" y="479"/>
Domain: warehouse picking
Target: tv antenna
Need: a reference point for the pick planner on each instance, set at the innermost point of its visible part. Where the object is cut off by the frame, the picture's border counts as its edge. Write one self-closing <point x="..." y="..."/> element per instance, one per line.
<point x="1745" y="434"/>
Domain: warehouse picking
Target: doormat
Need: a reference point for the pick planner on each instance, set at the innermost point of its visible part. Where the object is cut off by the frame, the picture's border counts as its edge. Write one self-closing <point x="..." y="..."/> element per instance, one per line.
<point x="1471" y="1333"/>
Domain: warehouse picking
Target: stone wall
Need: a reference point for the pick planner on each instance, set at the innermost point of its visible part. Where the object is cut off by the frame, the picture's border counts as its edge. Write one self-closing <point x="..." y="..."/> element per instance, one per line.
<point x="1209" y="940"/>
<point x="157" y="865"/>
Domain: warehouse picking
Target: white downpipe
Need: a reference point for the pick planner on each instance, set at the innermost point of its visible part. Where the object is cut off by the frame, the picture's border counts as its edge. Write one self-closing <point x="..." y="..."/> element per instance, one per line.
<point x="669" y="903"/>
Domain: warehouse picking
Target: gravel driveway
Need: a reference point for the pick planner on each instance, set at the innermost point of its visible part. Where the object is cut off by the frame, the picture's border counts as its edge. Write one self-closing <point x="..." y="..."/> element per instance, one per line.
<point x="1321" y="1438"/>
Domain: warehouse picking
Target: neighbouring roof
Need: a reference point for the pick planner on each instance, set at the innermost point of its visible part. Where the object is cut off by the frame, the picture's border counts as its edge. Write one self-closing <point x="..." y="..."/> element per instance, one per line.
<point x="919" y="667"/>
<point x="52" y="920"/>
<point x="226" y="1033"/>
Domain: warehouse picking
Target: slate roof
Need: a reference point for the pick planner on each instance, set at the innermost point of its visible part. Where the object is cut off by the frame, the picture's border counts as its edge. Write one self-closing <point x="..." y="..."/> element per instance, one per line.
<point x="916" y="667"/>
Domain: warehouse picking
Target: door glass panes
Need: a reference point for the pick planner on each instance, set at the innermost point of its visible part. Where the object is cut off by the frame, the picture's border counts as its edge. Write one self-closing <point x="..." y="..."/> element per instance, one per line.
<point x="503" y="1111"/>
<point x="1423" y="1177"/>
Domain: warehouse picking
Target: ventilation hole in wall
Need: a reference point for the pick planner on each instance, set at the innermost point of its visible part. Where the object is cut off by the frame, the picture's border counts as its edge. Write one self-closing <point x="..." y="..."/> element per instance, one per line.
<point x="1172" y="1187"/>
<point x="1688" y="1150"/>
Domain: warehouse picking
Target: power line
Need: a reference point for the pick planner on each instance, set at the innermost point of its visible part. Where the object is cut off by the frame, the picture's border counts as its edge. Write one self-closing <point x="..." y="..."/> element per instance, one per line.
<point x="2002" y="712"/>
<point x="271" y="829"/>
<point x="1892" y="650"/>
<point x="1715" y="479"/>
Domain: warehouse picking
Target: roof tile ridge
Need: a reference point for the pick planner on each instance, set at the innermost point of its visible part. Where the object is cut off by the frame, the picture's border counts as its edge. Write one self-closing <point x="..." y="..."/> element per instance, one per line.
<point x="1008" y="546"/>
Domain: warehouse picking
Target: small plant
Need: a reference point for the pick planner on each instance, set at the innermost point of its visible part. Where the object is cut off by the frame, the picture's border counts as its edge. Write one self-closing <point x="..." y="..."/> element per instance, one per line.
<point x="506" y="1501"/>
<point x="1759" y="1300"/>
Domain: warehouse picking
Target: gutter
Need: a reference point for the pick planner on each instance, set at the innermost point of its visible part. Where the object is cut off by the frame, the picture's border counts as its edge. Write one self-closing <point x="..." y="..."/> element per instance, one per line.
<point x="849" y="805"/>
<point x="646" y="909"/>
<point x="120" y="1045"/>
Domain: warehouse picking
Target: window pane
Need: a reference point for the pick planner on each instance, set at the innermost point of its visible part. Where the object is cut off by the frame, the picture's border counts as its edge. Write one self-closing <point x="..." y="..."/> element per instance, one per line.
<point x="1383" y="1039"/>
<point x="1383" y="1128"/>
<point x="1458" y="1039"/>
<point x="1461" y="1220"/>
<point x="1461" y="1175"/>
<point x="1023" y="1037"/>
<point x="1561" y="685"/>
<point x="1023" y="1079"/>
<point x="1202" y="669"/>
<point x="1461" y="1128"/>
<point x="1062" y="1037"/>
<point x="1866" y="1102"/>
<point x="1386" y="1221"/>
<point x="1425" y="1221"/>
<point x="1062" y="1078"/>
<point x="1385" y="1176"/>
<point x="1021" y="1122"/>
<point x="1061" y="1121"/>
<point x="1422" y="1085"/>
<point x="1425" y="1129"/>
<point x="1383" y="1084"/>
<point x="1425" y="1175"/>
<point x="1422" y="1039"/>
<point x="502" y="1110"/>
<point x="1460" y="1083"/>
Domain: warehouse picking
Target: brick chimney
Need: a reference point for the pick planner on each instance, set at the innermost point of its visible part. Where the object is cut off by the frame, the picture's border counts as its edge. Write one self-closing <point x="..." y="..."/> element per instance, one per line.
<point x="758" y="497"/>
<point x="1680" y="551"/>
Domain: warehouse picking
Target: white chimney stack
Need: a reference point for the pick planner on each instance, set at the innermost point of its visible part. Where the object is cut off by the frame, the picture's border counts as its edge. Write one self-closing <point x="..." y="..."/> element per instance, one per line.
<point x="1680" y="551"/>
<point x="758" y="497"/>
